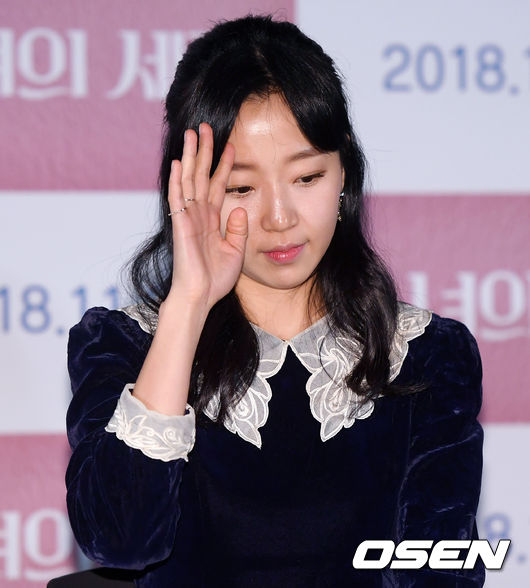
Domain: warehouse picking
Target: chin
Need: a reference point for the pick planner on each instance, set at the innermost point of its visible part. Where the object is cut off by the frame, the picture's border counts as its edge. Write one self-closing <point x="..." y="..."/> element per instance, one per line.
<point x="288" y="278"/>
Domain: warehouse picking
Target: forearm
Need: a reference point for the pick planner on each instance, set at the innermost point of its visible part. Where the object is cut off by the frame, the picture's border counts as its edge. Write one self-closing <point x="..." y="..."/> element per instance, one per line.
<point x="164" y="380"/>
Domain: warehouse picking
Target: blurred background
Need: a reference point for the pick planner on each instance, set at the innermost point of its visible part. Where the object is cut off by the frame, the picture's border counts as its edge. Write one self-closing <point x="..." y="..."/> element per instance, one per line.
<point x="440" y="97"/>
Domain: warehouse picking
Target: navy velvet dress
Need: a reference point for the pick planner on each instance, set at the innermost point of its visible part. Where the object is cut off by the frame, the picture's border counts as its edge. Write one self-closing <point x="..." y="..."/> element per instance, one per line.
<point x="284" y="492"/>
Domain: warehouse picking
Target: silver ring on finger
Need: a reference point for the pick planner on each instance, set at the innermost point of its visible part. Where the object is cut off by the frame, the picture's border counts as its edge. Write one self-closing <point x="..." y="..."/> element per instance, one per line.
<point x="189" y="199"/>
<point x="177" y="211"/>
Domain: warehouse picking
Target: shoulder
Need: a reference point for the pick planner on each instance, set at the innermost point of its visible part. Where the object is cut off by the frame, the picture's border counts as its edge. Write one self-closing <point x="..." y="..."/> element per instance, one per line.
<point x="109" y="333"/>
<point x="435" y="340"/>
<point x="446" y="359"/>
<point x="450" y="348"/>
<point x="132" y="320"/>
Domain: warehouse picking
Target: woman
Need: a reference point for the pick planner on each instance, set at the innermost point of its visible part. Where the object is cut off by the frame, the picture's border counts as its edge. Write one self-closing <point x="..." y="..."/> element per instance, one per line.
<point x="269" y="404"/>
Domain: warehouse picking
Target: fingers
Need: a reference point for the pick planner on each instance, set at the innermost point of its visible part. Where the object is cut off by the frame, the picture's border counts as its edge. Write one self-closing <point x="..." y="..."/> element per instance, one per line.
<point x="196" y="166"/>
<point x="237" y="228"/>
<point x="220" y="177"/>
<point x="189" y="154"/>
<point x="175" y="196"/>
<point x="204" y="161"/>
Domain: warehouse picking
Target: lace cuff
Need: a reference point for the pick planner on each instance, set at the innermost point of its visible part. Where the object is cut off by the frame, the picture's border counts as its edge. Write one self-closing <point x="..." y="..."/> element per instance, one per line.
<point x="156" y="435"/>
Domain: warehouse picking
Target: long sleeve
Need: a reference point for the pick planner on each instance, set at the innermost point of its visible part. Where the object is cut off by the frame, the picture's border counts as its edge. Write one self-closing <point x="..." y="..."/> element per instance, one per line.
<point x="439" y="495"/>
<point x="123" y="505"/>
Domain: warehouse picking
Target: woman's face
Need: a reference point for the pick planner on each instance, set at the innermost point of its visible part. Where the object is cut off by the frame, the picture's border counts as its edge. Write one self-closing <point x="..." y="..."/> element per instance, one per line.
<point x="290" y="192"/>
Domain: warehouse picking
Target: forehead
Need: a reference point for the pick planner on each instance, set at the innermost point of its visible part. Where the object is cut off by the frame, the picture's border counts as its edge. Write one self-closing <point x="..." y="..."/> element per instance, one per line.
<point x="266" y="134"/>
<point x="262" y="120"/>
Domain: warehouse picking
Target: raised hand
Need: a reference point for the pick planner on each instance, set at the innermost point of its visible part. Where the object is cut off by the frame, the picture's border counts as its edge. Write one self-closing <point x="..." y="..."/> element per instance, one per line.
<point x="206" y="265"/>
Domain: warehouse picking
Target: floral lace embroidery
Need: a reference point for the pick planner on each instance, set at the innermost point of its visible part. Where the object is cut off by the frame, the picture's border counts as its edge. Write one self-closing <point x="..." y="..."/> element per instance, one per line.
<point x="156" y="435"/>
<point x="329" y="360"/>
<point x="331" y="401"/>
<point x="146" y="319"/>
<point x="252" y="411"/>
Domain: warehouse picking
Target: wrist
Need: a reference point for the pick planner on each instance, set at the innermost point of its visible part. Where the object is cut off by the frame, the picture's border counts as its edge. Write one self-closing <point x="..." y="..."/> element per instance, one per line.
<point x="183" y="308"/>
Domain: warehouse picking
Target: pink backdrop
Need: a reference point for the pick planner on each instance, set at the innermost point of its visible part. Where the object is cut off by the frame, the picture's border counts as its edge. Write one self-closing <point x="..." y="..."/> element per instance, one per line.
<point x="100" y="71"/>
<point x="466" y="256"/>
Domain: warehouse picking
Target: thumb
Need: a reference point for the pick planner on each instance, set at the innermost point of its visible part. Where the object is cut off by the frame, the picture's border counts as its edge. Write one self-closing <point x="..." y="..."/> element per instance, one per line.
<point x="237" y="228"/>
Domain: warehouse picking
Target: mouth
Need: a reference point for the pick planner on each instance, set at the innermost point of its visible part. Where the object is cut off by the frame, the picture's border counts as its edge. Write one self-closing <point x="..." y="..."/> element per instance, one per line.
<point x="284" y="253"/>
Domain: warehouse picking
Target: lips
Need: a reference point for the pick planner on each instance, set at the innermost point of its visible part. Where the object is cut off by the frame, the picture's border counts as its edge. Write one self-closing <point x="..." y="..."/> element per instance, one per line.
<point x="285" y="253"/>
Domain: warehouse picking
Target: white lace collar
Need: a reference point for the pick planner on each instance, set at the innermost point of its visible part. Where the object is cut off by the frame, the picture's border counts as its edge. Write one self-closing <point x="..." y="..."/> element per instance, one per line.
<point x="330" y="400"/>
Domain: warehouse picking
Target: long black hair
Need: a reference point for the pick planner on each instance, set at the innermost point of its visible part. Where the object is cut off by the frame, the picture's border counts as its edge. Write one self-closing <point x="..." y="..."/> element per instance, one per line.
<point x="257" y="56"/>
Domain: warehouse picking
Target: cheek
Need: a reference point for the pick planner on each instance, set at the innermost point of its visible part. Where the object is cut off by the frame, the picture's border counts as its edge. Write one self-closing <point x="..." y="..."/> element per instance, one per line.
<point x="322" y="213"/>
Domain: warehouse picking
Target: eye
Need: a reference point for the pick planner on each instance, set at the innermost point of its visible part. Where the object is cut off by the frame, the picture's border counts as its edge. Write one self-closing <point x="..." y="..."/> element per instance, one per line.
<point x="239" y="192"/>
<point x="310" y="180"/>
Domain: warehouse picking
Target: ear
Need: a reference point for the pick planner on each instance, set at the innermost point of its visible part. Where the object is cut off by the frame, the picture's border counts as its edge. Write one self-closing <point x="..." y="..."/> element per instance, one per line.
<point x="343" y="177"/>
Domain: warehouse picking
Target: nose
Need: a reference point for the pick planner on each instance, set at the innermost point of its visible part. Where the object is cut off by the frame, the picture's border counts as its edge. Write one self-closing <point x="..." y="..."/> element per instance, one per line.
<point x="278" y="212"/>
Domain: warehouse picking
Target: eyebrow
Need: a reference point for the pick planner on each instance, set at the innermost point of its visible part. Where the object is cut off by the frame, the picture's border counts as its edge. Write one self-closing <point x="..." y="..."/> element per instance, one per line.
<point x="304" y="154"/>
